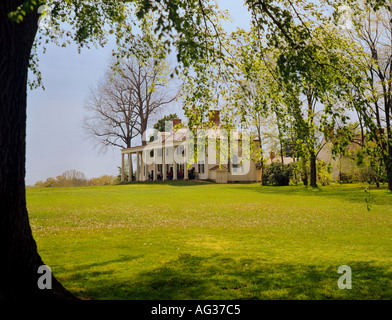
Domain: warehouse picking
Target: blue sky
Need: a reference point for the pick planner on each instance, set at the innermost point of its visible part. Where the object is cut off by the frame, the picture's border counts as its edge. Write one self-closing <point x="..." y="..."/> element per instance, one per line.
<point x="55" y="140"/>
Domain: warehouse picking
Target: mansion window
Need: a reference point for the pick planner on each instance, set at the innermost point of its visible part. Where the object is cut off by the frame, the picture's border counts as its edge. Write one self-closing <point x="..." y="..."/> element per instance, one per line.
<point x="237" y="166"/>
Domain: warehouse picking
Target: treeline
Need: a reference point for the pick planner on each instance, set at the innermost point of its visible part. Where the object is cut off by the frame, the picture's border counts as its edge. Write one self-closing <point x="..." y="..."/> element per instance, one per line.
<point x="74" y="178"/>
<point x="347" y="169"/>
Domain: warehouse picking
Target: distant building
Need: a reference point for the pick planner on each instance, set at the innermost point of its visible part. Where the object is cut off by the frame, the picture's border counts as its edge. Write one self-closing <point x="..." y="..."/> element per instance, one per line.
<point x="274" y="158"/>
<point x="340" y="164"/>
<point x="157" y="160"/>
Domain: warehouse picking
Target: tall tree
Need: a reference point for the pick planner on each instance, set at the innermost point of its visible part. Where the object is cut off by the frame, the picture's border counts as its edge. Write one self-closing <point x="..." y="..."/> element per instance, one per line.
<point x="111" y="119"/>
<point x="125" y="99"/>
<point x="18" y="250"/>
<point x="372" y="32"/>
<point x="189" y="26"/>
<point x="149" y="89"/>
<point x="363" y="64"/>
<point x="308" y="50"/>
<point x="87" y="19"/>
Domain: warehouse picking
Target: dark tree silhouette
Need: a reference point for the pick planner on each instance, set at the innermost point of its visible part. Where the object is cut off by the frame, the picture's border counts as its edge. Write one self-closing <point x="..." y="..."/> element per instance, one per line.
<point x="19" y="260"/>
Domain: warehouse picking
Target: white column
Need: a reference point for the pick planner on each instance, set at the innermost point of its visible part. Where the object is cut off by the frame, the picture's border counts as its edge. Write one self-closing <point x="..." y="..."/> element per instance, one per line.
<point x="174" y="169"/>
<point x="143" y="171"/>
<point x="122" y="168"/>
<point x="130" y="167"/>
<point x="185" y="171"/>
<point x="137" y="167"/>
<point x="164" y="164"/>
<point x="155" y="166"/>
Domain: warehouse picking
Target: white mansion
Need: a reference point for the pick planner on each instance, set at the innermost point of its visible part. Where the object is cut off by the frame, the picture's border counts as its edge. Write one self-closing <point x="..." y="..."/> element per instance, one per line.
<point x="168" y="158"/>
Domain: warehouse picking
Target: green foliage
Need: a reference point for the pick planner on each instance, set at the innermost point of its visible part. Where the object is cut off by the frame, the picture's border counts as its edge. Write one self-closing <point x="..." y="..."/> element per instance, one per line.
<point x="296" y="174"/>
<point x="160" y="125"/>
<point x="187" y="26"/>
<point x="277" y="174"/>
<point x="297" y="42"/>
<point x="360" y="174"/>
<point x="104" y="180"/>
<point x="369" y="198"/>
<point x="26" y="7"/>
<point x="295" y="47"/>
<point x="74" y="178"/>
<point x="324" y="173"/>
<point x="357" y="163"/>
<point x="345" y="177"/>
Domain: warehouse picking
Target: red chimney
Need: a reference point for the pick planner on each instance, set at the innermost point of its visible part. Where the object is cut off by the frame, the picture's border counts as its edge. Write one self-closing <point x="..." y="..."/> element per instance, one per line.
<point x="215" y="117"/>
<point x="176" y="122"/>
<point x="272" y="155"/>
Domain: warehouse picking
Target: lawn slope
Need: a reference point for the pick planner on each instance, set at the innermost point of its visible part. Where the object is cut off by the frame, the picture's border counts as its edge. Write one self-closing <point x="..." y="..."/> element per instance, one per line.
<point x="210" y="241"/>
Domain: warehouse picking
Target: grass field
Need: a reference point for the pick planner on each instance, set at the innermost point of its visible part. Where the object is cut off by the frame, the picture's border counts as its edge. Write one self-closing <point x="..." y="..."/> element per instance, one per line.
<point x="207" y="241"/>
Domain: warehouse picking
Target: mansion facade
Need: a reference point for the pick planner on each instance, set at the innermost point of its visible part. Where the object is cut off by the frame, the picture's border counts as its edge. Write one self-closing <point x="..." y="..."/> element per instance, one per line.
<point x="167" y="158"/>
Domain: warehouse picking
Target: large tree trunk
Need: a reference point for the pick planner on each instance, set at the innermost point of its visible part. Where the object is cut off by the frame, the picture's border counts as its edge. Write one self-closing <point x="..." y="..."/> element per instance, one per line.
<point x="313" y="170"/>
<point x="388" y="169"/>
<point x="311" y="142"/>
<point x="19" y="260"/>
<point x="143" y="128"/>
<point x="305" y="173"/>
<point x="388" y="162"/>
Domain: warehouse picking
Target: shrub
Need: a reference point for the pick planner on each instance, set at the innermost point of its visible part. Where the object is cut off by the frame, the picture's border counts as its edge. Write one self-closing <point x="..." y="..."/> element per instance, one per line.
<point x="369" y="175"/>
<point x="102" y="181"/>
<point x="73" y="178"/>
<point x="324" y="173"/>
<point x="345" y="177"/>
<point x="277" y="174"/>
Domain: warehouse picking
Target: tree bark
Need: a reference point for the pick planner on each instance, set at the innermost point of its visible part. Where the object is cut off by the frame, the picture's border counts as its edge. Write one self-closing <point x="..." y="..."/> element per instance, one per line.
<point x="388" y="162"/>
<point x="312" y="153"/>
<point x="305" y="173"/>
<point x="388" y="167"/>
<point x="389" y="178"/>
<point x="313" y="170"/>
<point x="18" y="251"/>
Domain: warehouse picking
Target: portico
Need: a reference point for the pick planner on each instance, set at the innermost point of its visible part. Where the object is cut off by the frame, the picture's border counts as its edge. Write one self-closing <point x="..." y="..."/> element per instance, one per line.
<point x="166" y="159"/>
<point x="156" y="163"/>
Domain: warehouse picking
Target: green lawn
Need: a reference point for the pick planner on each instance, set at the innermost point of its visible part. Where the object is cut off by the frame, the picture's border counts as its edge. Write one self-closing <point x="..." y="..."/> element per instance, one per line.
<point x="209" y="241"/>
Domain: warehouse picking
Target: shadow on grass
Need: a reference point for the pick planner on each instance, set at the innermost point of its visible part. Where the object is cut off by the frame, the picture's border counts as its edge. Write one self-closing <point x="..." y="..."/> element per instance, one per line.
<point x="218" y="277"/>
<point x="352" y="193"/>
<point x="87" y="270"/>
